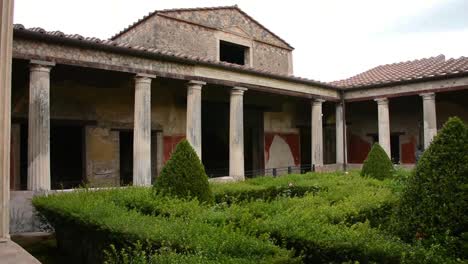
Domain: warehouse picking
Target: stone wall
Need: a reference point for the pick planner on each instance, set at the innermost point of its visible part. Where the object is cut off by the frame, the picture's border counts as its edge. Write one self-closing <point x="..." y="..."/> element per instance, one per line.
<point x="185" y="35"/>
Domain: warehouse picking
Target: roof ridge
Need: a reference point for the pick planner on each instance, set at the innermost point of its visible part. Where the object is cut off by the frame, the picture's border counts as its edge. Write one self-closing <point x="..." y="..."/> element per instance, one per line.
<point x="155" y="12"/>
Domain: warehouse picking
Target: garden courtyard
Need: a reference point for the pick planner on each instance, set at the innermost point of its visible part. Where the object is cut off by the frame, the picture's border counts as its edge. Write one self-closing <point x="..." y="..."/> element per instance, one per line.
<point x="382" y="214"/>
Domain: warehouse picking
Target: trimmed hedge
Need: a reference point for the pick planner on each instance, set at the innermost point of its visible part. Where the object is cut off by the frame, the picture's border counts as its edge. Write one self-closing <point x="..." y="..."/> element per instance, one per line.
<point x="377" y="164"/>
<point x="334" y="225"/>
<point x="184" y="175"/>
<point x="434" y="204"/>
<point x="86" y="223"/>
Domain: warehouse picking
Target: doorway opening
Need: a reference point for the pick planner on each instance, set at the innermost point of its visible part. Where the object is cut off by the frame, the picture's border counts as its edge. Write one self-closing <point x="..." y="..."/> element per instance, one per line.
<point x="215" y="138"/>
<point x="126" y="157"/>
<point x="254" y="161"/>
<point x="66" y="156"/>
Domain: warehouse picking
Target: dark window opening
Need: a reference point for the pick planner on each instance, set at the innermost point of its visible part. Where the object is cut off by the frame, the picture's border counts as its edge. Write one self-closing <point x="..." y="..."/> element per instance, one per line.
<point x="232" y="53"/>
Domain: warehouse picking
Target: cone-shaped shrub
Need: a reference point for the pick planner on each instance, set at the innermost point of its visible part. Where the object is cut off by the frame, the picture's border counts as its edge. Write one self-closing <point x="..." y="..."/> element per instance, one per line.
<point x="377" y="164"/>
<point x="435" y="200"/>
<point x="184" y="176"/>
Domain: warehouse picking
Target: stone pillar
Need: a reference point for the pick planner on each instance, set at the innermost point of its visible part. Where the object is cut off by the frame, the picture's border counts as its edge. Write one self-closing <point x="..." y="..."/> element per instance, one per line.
<point x="340" y="157"/>
<point x="194" y="102"/>
<point x="317" y="133"/>
<point x="142" y="131"/>
<point x="6" y="41"/>
<point x="39" y="126"/>
<point x="430" y="119"/>
<point x="384" y="124"/>
<point x="236" y="134"/>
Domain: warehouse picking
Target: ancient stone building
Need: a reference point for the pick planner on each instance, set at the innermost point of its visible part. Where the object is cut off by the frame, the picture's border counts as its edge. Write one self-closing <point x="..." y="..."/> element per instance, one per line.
<point x="110" y="112"/>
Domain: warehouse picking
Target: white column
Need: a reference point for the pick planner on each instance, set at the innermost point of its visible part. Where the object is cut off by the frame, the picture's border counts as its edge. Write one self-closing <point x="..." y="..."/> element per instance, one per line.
<point x="340" y="157"/>
<point x="430" y="118"/>
<point x="384" y="124"/>
<point x="39" y="126"/>
<point x="142" y="131"/>
<point x="317" y="133"/>
<point x="194" y="103"/>
<point x="236" y="134"/>
<point x="6" y="40"/>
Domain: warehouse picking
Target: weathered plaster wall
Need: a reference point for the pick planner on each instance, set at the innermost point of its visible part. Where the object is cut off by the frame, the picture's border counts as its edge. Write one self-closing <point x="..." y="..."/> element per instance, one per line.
<point x="282" y="140"/>
<point x="185" y="35"/>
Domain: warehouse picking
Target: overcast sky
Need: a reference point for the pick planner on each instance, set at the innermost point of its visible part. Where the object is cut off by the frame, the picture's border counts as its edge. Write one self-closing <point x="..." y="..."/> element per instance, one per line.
<point x="332" y="39"/>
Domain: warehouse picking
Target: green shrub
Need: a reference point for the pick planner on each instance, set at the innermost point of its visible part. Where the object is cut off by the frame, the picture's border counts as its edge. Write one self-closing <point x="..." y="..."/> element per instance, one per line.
<point x="377" y="164"/>
<point x="86" y="222"/>
<point x="184" y="175"/>
<point x="435" y="200"/>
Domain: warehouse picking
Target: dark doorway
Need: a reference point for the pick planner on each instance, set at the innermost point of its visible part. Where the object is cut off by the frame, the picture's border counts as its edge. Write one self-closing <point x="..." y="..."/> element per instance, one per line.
<point x="66" y="156"/>
<point x="215" y="138"/>
<point x="232" y="53"/>
<point x="306" y="149"/>
<point x="253" y="142"/>
<point x="126" y="157"/>
<point x="24" y="156"/>
<point x="395" y="148"/>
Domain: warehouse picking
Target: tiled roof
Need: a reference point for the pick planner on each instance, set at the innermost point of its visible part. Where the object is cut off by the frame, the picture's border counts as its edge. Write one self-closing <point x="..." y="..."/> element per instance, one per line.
<point x="127" y="47"/>
<point x="196" y="9"/>
<point x="415" y="70"/>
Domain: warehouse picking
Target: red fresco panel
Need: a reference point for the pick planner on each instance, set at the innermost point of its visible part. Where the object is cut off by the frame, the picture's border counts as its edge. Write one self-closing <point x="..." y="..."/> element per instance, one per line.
<point x="358" y="149"/>
<point x="408" y="151"/>
<point x="293" y="141"/>
<point x="170" y="142"/>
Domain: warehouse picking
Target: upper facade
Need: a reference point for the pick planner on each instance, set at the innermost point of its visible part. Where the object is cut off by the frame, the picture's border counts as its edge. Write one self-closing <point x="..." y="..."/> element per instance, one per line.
<point x="219" y="33"/>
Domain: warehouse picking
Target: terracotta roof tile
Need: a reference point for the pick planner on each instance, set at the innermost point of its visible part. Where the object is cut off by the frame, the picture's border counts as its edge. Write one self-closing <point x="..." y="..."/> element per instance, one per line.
<point x="406" y="71"/>
<point x="168" y="54"/>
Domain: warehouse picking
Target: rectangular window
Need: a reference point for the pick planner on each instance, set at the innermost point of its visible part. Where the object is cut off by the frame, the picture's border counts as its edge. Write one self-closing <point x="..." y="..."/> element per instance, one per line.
<point x="233" y="53"/>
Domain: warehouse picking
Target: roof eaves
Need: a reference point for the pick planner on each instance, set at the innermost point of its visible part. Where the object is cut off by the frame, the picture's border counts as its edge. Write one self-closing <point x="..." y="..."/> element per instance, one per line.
<point x="78" y="40"/>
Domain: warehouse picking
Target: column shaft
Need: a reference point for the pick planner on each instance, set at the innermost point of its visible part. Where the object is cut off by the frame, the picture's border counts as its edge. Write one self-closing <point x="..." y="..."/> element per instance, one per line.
<point x="430" y="119"/>
<point x="39" y="127"/>
<point x="142" y="131"/>
<point x="317" y="133"/>
<point x="340" y="157"/>
<point x="194" y="103"/>
<point x="236" y="134"/>
<point x="384" y="124"/>
<point x="6" y="42"/>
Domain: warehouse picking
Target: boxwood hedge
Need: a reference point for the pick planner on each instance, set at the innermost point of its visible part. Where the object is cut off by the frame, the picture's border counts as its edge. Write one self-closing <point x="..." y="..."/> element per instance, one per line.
<point x="336" y="220"/>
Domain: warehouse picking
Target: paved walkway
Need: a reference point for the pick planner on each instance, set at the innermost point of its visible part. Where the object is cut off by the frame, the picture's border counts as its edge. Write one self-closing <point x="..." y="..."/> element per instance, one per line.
<point x="11" y="253"/>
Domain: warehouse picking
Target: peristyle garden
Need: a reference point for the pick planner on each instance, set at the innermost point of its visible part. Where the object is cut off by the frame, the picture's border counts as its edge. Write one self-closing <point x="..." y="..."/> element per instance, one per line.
<point x="382" y="214"/>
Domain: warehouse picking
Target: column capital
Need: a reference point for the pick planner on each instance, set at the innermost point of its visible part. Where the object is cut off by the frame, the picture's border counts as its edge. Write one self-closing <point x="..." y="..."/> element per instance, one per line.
<point x="317" y="101"/>
<point x="194" y="84"/>
<point x="381" y="100"/>
<point x="42" y="66"/>
<point x="144" y="78"/>
<point x="237" y="90"/>
<point x="427" y="96"/>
